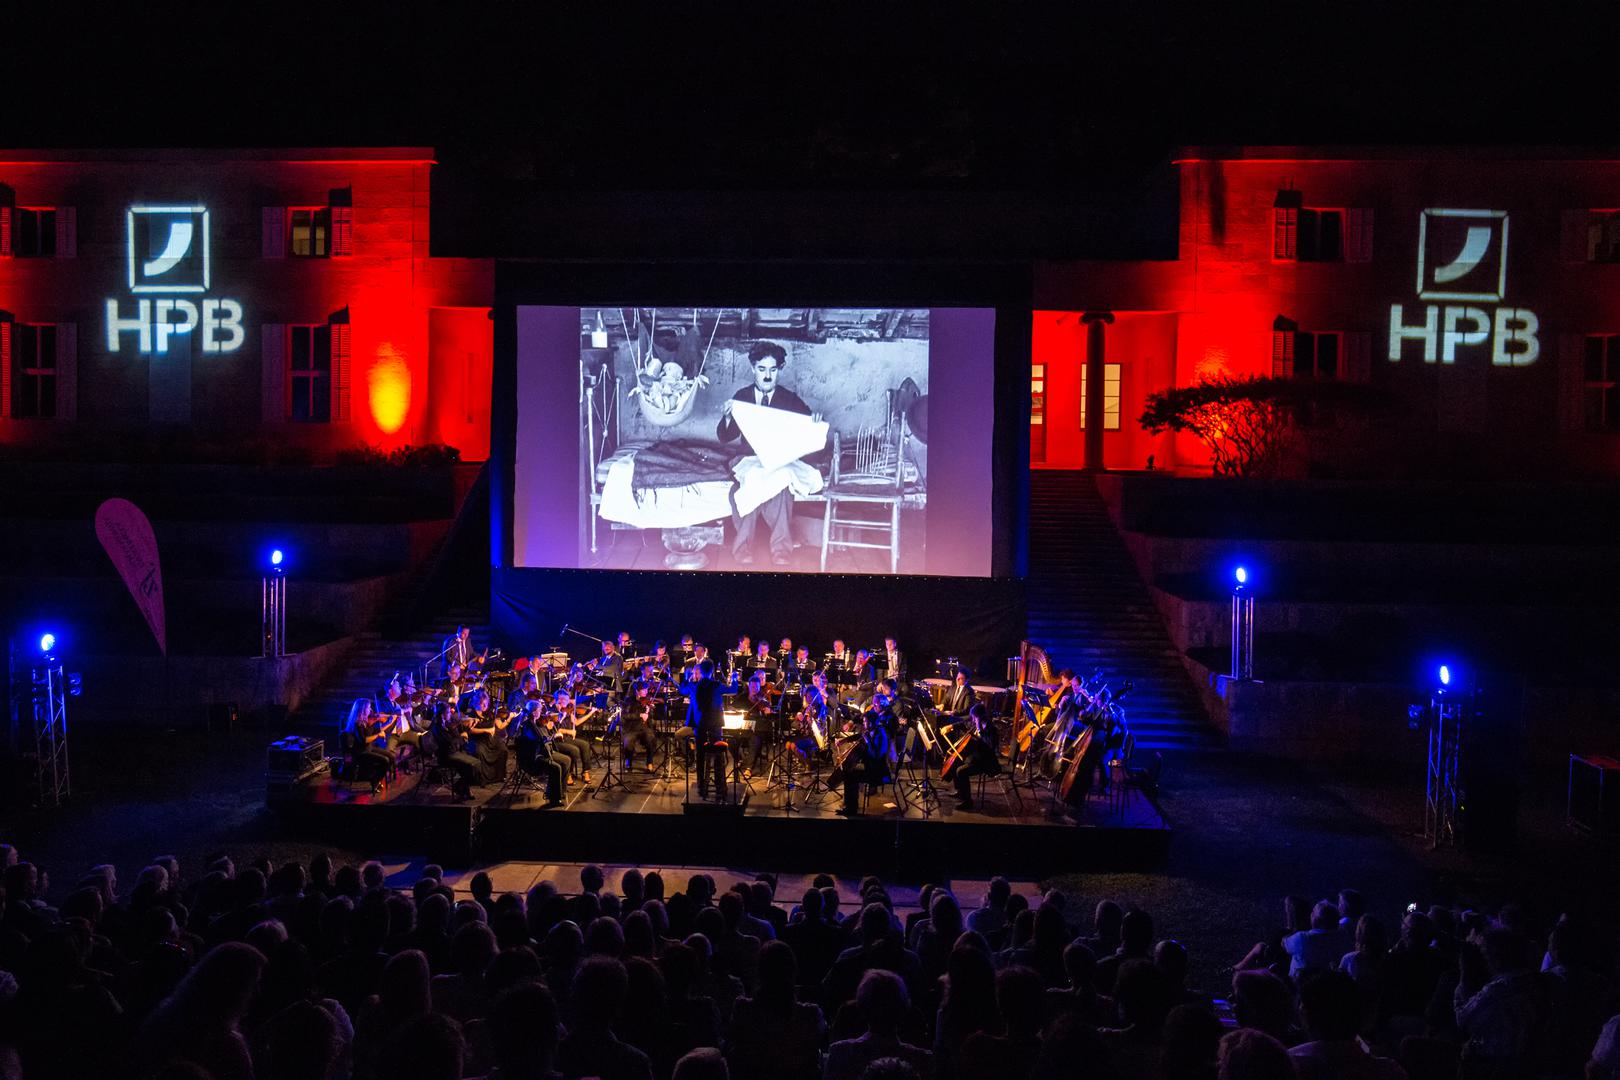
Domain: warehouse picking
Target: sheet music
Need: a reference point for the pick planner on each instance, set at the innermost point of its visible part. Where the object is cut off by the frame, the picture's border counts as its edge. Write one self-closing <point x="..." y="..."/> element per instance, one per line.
<point x="777" y="435"/>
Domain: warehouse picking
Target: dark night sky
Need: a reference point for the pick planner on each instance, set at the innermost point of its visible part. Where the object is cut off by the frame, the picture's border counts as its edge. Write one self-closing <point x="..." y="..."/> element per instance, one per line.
<point x="696" y="93"/>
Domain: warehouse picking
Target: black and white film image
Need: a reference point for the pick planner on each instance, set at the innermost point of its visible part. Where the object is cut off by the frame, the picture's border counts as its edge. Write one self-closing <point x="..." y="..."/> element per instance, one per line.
<point x="763" y="439"/>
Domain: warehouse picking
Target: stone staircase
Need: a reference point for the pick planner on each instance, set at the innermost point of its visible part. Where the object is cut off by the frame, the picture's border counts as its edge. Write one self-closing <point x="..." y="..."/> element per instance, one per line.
<point x="374" y="658"/>
<point x="1090" y="610"/>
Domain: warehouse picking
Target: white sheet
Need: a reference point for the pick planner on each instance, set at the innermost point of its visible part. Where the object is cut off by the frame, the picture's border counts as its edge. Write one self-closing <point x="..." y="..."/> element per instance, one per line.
<point x="778" y="436"/>
<point x="756" y="483"/>
<point x="661" y="508"/>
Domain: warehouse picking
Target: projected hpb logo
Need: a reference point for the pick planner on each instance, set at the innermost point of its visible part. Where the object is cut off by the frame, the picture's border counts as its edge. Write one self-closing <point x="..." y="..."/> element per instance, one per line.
<point x="168" y="253"/>
<point x="1462" y="259"/>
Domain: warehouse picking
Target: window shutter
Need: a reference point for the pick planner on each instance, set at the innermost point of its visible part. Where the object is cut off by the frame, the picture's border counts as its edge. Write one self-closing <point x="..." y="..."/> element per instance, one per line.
<point x="5" y="364"/>
<point x="5" y="232"/>
<point x="1358" y="235"/>
<point x="1573" y="235"/>
<point x="67" y="232"/>
<point x="340" y="370"/>
<point x="341" y="203"/>
<point x="1571" y="382"/>
<point x="67" y="371"/>
<point x="274" y="232"/>
<point x="1282" y="354"/>
<point x="1357" y="357"/>
<point x="273" y="372"/>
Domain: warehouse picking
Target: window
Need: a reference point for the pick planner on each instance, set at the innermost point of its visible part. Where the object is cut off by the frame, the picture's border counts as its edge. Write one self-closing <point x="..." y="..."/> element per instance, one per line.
<point x="1037" y="394"/>
<point x="1305" y="354"/>
<point x="310" y="227"/>
<point x="1600" y="393"/>
<point x="33" y="372"/>
<point x="33" y="232"/>
<point x="1110" y="396"/>
<point x="309" y="373"/>
<point x="1317" y="234"/>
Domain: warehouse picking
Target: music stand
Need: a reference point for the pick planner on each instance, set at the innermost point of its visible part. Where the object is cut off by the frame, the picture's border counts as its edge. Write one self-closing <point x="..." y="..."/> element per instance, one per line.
<point x="613" y="769"/>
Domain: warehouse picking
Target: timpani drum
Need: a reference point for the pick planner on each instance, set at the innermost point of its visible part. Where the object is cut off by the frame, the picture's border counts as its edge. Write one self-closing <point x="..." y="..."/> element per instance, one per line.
<point x="938" y="688"/>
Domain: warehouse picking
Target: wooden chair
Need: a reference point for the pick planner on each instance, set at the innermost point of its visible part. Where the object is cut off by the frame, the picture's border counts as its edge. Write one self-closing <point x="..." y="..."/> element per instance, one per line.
<point x="863" y="497"/>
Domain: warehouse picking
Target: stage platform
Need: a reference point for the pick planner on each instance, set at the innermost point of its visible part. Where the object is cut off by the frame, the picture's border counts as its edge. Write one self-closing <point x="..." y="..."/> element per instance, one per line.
<point x="649" y="820"/>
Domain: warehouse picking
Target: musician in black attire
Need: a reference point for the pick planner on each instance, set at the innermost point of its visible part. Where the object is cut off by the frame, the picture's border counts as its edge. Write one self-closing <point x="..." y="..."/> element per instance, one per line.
<point x="866" y="676"/>
<point x="706" y="701"/>
<point x="893" y="659"/>
<point x="868" y="763"/>
<point x="533" y="752"/>
<point x="818" y="710"/>
<point x="768" y="359"/>
<point x="979" y="757"/>
<point x="657" y="669"/>
<point x="797" y="669"/>
<point x="762" y="710"/>
<point x="959" y="698"/>
<point x="610" y="665"/>
<point x="634" y="730"/>
<point x="518" y="700"/>
<point x="449" y="749"/>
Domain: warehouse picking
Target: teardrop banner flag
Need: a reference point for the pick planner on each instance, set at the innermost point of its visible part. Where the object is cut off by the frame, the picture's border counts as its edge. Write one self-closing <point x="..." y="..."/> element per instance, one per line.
<point x="127" y="535"/>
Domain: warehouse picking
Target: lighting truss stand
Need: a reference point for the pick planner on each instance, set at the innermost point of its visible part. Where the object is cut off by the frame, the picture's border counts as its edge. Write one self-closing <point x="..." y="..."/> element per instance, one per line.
<point x="273" y="616"/>
<point x="1440" y="791"/>
<point x="50" y="732"/>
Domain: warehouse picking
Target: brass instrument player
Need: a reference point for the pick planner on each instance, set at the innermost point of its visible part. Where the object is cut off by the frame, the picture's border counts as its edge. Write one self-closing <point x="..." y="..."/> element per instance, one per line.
<point x="815" y="717"/>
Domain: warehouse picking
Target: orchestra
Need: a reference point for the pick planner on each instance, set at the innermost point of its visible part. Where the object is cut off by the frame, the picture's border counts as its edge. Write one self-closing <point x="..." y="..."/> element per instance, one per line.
<point x="854" y="717"/>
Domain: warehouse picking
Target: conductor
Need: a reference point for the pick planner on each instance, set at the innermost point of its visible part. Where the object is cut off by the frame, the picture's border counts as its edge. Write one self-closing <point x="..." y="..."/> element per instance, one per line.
<point x="705" y="712"/>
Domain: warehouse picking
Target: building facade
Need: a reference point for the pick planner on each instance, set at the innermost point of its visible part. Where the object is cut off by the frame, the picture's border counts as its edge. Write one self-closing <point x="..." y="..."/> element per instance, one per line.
<point x="284" y="297"/>
<point x="1479" y="292"/>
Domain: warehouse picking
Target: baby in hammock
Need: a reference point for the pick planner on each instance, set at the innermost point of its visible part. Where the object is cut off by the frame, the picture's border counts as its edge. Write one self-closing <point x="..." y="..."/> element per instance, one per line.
<point x="664" y="384"/>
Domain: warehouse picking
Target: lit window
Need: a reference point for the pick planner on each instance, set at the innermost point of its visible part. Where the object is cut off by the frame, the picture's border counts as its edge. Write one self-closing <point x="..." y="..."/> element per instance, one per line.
<point x="309" y="373"/>
<point x="1110" y="397"/>
<point x="33" y="372"/>
<point x="1600" y="393"/>
<point x="1037" y="394"/>
<point x="310" y="228"/>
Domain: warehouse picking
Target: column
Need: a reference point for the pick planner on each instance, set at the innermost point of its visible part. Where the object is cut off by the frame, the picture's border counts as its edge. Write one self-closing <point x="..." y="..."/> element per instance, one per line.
<point x="1096" y="384"/>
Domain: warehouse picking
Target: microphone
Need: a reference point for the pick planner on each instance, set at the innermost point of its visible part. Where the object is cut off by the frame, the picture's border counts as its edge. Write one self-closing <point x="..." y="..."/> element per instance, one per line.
<point x="563" y="631"/>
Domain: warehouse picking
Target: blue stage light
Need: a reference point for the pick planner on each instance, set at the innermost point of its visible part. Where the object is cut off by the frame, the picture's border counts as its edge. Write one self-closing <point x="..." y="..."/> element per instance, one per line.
<point x="1242" y="575"/>
<point x="275" y="557"/>
<point x="1445" y="675"/>
<point x="47" y="642"/>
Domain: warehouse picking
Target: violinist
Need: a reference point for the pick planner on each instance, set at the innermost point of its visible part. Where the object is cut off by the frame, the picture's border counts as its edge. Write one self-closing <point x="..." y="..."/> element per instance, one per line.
<point x="395" y="712"/>
<point x="761" y="707"/>
<point x="563" y="726"/>
<point x="455" y="683"/>
<point x="868" y="762"/>
<point x="532" y="748"/>
<point x="634" y="730"/>
<point x="363" y="738"/>
<point x="977" y="755"/>
<point x="446" y="736"/>
<point x="486" y="731"/>
<point x="657" y="667"/>
<point x="527" y="691"/>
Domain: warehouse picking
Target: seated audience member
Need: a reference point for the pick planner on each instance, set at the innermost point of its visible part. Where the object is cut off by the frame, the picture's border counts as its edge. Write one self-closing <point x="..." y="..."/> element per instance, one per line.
<point x="1264" y="1002"/>
<point x="431" y="1048"/>
<point x="305" y="1045"/>
<point x="990" y="918"/>
<point x="201" y="1021"/>
<point x="1247" y="1054"/>
<point x="1170" y="957"/>
<point x="1604" y="1064"/>
<point x="1105" y="925"/>
<point x="1192" y="1039"/>
<point x="1331" y="1008"/>
<point x="968" y="1005"/>
<point x="694" y="1017"/>
<point x="1141" y="1001"/>
<point x="1135" y="943"/>
<point x="523" y="1033"/>
<point x="773" y="1033"/>
<point x="1409" y="975"/>
<point x="462" y="995"/>
<point x="883" y="1004"/>
<point x="1318" y="949"/>
<point x="703" y="1063"/>
<point x="879" y="947"/>
<point x="986" y="1056"/>
<point x="591" y="1048"/>
<point x="1502" y="1025"/>
<point x="1079" y="994"/>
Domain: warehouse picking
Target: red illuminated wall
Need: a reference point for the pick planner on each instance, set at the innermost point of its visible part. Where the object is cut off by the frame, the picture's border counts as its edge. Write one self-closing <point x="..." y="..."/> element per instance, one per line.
<point x="404" y="307"/>
<point x="1220" y="299"/>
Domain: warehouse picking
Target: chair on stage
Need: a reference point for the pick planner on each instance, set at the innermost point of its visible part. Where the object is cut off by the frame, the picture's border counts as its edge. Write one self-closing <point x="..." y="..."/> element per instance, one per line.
<point x="1004" y="785"/>
<point x="864" y="495"/>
